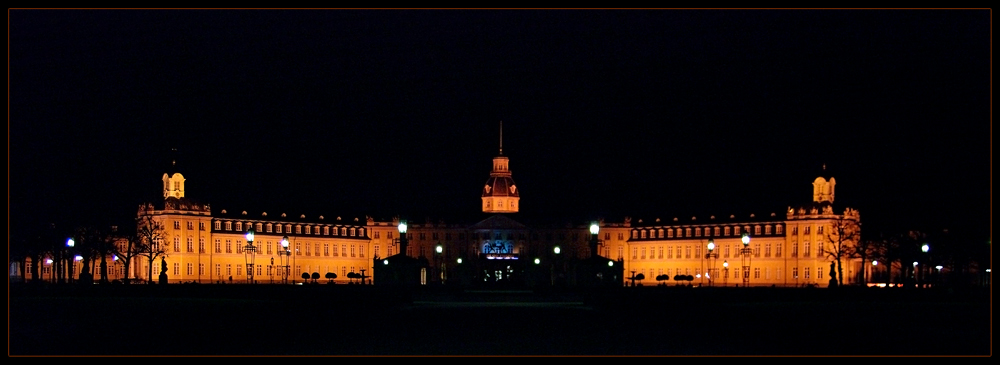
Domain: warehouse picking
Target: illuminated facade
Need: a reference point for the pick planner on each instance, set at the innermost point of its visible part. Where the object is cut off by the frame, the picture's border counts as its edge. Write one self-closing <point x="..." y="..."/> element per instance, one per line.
<point x="790" y="249"/>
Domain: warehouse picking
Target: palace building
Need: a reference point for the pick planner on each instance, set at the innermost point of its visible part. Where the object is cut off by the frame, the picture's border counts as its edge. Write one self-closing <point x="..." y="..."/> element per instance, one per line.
<point x="793" y="248"/>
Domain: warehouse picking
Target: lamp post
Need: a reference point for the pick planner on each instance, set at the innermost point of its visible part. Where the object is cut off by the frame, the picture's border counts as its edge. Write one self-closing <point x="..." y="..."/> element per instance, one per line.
<point x="249" y="253"/>
<point x="69" y="252"/>
<point x="925" y="248"/>
<point x="725" y="266"/>
<point x="711" y="255"/>
<point x="745" y="257"/>
<point x="874" y="270"/>
<point x="439" y="262"/>
<point x="283" y="256"/>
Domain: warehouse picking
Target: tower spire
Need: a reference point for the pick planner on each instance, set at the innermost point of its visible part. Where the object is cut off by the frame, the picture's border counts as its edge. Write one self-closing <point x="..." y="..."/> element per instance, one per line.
<point x="501" y="138"/>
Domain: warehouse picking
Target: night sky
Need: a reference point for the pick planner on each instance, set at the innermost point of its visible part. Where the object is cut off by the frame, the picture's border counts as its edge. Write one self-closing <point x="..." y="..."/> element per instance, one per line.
<point x="641" y="113"/>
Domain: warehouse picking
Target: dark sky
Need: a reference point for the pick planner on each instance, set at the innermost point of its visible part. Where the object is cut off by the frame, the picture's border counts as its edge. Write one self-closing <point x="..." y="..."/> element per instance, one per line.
<point x="666" y="113"/>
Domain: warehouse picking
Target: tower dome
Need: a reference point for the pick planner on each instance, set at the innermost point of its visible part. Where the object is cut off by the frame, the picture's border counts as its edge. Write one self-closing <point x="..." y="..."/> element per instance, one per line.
<point x="500" y="195"/>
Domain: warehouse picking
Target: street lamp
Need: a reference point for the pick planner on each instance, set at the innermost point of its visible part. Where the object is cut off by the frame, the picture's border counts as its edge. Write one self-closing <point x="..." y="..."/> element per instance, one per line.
<point x="711" y="255"/>
<point x="725" y="266"/>
<point x="283" y="256"/>
<point x="745" y="255"/>
<point x="923" y="273"/>
<point x="402" y="237"/>
<point x="69" y="250"/>
<point x="874" y="269"/>
<point x="249" y="253"/>
<point x="439" y="250"/>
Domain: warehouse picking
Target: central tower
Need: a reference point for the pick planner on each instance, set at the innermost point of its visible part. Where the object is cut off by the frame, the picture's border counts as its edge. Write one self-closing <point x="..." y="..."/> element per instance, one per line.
<point x="500" y="195"/>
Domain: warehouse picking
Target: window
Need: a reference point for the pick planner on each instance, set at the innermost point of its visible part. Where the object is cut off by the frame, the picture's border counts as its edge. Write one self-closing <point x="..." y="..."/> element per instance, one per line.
<point x="726" y="231"/>
<point x="218" y="270"/>
<point x="670" y="252"/>
<point x="298" y="229"/>
<point x="795" y="249"/>
<point x="806" y="249"/>
<point x="326" y="249"/>
<point x="697" y="232"/>
<point x="239" y="226"/>
<point x="795" y="273"/>
<point x="201" y="244"/>
<point x="177" y="225"/>
<point x="343" y="250"/>
<point x="620" y="235"/>
<point x="218" y="225"/>
<point x="190" y="269"/>
<point x="190" y="244"/>
<point x="259" y="227"/>
<point x="819" y="230"/>
<point x="277" y="228"/>
<point x="643" y="233"/>
<point x="376" y="250"/>
<point x="361" y="251"/>
<point x="756" y="230"/>
<point x="298" y="249"/>
<point x="239" y="270"/>
<point x="777" y="250"/>
<point x="229" y="226"/>
<point x="635" y="252"/>
<point x="687" y="251"/>
<point x="795" y="230"/>
<point x="778" y="229"/>
<point x="806" y="272"/>
<point x="756" y="273"/>
<point x="258" y="269"/>
<point x="819" y="272"/>
<point x="687" y="232"/>
<point x="715" y="231"/>
<point x="670" y="233"/>
<point x="177" y="268"/>
<point x="270" y="227"/>
<point x="643" y="253"/>
<point x="807" y="230"/>
<point x="736" y="231"/>
<point x="659" y="233"/>
<point x="308" y="230"/>
<point x="620" y="249"/>
<point x="767" y="249"/>
<point x="660" y="255"/>
<point x="326" y="231"/>
<point x="421" y="250"/>
<point x="218" y="248"/>
<point x="201" y="269"/>
<point x="819" y="249"/>
<point x="229" y="269"/>
<point x="343" y="231"/>
<point x="635" y="234"/>
<point x="190" y="225"/>
<point x="727" y="251"/>
<point x="767" y="229"/>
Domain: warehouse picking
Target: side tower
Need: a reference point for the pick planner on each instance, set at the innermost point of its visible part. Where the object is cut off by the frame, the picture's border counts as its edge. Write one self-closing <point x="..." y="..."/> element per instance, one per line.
<point x="500" y="195"/>
<point x="173" y="181"/>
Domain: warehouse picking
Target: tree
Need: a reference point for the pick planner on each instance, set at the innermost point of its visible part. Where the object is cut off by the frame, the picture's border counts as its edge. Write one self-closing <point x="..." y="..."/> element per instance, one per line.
<point x="315" y="276"/>
<point x="305" y="276"/>
<point x="865" y="249"/>
<point x="149" y="236"/>
<point x="330" y="276"/>
<point x="840" y="239"/>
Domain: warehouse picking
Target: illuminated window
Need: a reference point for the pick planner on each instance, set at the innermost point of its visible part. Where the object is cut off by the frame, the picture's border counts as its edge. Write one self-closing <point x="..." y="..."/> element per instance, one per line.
<point x="767" y="229"/>
<point x="218" y="225"/>
<point x="756" y="230"/>
<point x="715" y="231"/>
<point x="687" y="232"/>
<point x="726" y="230"/>
<point x="239" y="226"/>
<point x="697" y="232"/>
<point x="177" y="225"/>
<point x="670" y="233"/>
<point x="270" y="227"/>
<point x="326" y="231"/>
<point x="353" y="231"/>
<point x="777" y="250"/>
<point x="643" y="233"/>
<point x="736" y="231"/>
<point x="778" y="229"/>
<point x="308" y="230"/>
<point x="259" y="227"/>
<point x="343" y="250"/>
<point x="298" y="229"/>
<point x="795" y="272"/>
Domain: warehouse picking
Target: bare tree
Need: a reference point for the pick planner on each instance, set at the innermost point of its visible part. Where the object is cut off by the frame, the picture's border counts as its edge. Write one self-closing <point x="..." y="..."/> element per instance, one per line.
<point x="840" y="239"/>
<point x="149" y="238"/>
<point x="865" y="250"/>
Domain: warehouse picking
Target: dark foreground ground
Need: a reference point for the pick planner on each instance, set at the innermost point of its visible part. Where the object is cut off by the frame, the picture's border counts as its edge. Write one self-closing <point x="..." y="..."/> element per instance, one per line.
<point x="363" y="320"/>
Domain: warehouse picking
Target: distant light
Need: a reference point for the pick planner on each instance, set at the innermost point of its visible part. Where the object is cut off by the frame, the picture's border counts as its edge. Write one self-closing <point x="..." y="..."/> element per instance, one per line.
<point x="988" y="270"/>
<point x="698" y="276"/>
<point x="114" y="258"/>
<point x="611" y="263"/>
<point x="925" y="248"/>
<point x="385" y="262"/>
<point x="439" y="249"/>
<point x="48" y="261"/>
<point x="250" y="235"/>
<point x="460" y="260"/>
<point x="746" y="239"/>
<point x="557" y="250"/>
<point x="725" y="264"/>
<point x="77" y="258"/>
<point x="914" y="263"/>
<point x="594" y="228"/>
<point x="402" y="227"/>
<point x="711" y="244"/>
<point x="537" y="261"/>
<point x="707" y="276"/>
<point x="874" y="262"/>
<point x="284" y="242"/>
<point x="70" y="242"/>
<point x="939" y="267"/>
